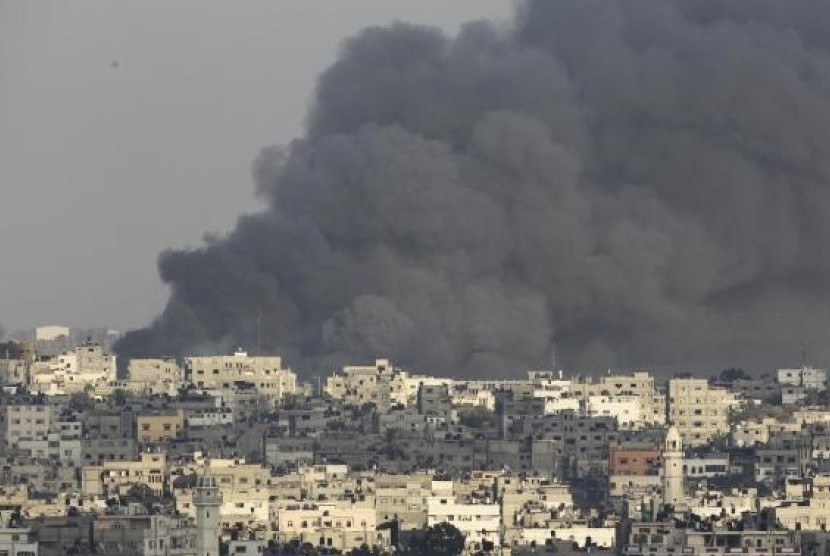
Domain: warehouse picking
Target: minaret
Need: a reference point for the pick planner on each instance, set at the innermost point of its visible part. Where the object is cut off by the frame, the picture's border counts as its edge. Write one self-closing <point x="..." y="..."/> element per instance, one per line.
<point x="207" y="498"/>
<point x="673" y="468"/>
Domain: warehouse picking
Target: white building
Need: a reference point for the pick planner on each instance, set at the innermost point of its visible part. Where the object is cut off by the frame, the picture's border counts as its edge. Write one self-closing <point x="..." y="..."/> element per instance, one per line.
<point x="73" y="371"/>
<point x="18" y="542"/>
<point x="709" y="466"/>
<point x="478" y="522"/>
<point x="51" y="333"/>
<point x="625" y="409"/>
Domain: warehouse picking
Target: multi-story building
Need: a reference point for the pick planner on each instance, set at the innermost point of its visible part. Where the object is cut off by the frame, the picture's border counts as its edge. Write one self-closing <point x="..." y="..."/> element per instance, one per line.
<point x="150" y="535"/>
<point x="808" y="377"/>
<point x="27" y="422"/>
<point x="663" y="539"/>
<point x="239" y="371"/>
<point x="635" y="460"/>
<point x="706" y="466"/>
<point x="757" y="389"/>
<point x="480" y="523"/>
<point x="381" y="384"/>
<point x="699" y="411"/>
<point x="812" y="514"/>
<point x="625" y="409"/>
<point x="84" y="367"/>
<point x="160" y="427"/>
<point x="331" y="526"/>
<point x="18" y="541"/>
<point x="154" y="376"/>
<point x="151" y="469"/>
<point x="61" y="444"/>
<point x="639" y="384"/>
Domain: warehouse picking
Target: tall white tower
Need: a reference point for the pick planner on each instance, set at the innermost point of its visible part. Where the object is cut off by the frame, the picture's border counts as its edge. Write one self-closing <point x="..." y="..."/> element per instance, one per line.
<point x="207" y="500"/>
<point x="673" y="468"/>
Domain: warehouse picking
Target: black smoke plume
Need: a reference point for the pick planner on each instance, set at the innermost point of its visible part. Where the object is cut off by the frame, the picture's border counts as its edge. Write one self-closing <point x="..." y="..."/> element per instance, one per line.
<point x="628" y="182"/>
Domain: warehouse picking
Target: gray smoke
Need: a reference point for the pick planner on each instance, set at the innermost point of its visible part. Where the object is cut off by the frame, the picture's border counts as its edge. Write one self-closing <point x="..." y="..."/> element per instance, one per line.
<point x="635" y="182"/>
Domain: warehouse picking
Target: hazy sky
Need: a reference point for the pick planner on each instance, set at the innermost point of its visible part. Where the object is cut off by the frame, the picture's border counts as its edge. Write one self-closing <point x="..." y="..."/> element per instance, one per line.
<point x="129" y="127"/>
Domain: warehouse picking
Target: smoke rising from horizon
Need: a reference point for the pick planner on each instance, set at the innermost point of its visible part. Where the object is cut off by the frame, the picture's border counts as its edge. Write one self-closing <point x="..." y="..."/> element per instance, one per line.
<point x="625" y="183"/>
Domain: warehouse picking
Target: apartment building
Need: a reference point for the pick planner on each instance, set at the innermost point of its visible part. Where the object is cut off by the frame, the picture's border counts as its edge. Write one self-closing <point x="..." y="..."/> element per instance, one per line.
<point x="149" y="535"/>
<point x="265" y="375"/>
<point x="27" y="422"/>
<point x="154" y="376"/>
<point x="151" y="469"/>
<point x="381" y="384"/>
<point x="73" y="371"/>
<point x="331" y="526"/>
<point x="159" y="427"/>
<point x="699" y="411"/>
<point x="480" y="523"/>
<point x="627" y="410"/>
<point x="639" y="384"/>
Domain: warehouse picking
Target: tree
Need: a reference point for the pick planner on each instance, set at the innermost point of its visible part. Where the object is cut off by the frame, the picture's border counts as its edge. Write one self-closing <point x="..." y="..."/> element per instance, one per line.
<point x="364" y="550"/>
<point x="80" y="401"/>
<point x="442" y="539"/>
<point x="119" y="396"/>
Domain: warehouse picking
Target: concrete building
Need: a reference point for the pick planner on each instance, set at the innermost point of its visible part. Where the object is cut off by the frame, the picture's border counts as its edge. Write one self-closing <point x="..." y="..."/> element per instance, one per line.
<point x="626" y="409"/>
<point x="265" y="375"/>
<point x="699" y="411"/>
<point x="27" y="422"/>
<point x="162" y="427"/>
<point x="151" y="469"/>
<point x="331" y="526"/>
<point x="18" y="541"/>
<point x="582" y="536"/>
<point x="706" y="466"/>
<point x="634" y="461"/>
<point x="154" y="376"/>
<point x="87" y="366"/>
<point x="381" y="384"/>
<point x="639" y="384"/>
<point x="480" y="523"/>
<point x="808" y="377"/>
<point x="246" y="547"/>
<point x="149" y="535"/>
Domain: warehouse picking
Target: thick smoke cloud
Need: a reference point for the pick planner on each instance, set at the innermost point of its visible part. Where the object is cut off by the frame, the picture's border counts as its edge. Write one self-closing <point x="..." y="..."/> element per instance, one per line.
<point x="634" y="182"/>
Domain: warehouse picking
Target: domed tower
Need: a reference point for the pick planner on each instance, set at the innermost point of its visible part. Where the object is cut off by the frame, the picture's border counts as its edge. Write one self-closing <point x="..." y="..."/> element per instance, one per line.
<point x="673" y="468"/>
<point x="207" y="498"/>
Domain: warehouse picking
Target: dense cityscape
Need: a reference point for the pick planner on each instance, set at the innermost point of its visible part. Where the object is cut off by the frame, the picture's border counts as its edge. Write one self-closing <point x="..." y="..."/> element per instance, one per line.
<point x="428" y="278"/>
<point x="235" y="454"/>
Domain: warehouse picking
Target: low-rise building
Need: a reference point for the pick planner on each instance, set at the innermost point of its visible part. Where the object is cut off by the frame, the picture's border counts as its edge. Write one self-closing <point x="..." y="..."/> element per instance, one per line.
<point x="480" y="523"/>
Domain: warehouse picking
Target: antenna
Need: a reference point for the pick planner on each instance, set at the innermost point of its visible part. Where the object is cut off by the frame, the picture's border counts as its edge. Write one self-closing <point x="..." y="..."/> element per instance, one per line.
<point x="804" y="354"/>
<point x="259" y="330"/>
